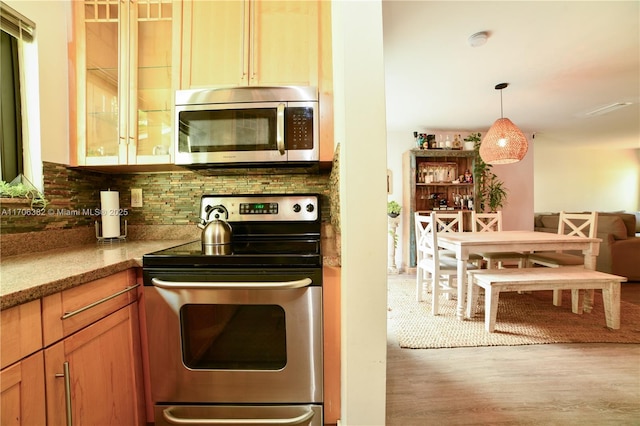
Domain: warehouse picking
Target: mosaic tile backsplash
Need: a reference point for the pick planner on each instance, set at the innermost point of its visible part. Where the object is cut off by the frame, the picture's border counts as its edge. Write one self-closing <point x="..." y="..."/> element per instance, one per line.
<point x="170" y="198"/>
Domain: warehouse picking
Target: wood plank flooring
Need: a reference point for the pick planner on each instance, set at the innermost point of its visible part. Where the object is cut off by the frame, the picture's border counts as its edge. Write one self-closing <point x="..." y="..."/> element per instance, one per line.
<point x="557" y="384"/>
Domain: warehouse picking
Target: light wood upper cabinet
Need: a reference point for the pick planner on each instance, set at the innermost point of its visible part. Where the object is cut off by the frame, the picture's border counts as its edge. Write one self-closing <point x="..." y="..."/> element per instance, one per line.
<point x="126" y="57"/>
<point x="250" y="43"/>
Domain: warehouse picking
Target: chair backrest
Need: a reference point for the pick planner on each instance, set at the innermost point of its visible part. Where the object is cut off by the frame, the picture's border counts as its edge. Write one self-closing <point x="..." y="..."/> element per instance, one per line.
<point x="448" y="222"/>
<point x="578" y="224"/>
<point x="423" y="227"/>
<point x="427" y="240"/>
<point x="486" y="222"/>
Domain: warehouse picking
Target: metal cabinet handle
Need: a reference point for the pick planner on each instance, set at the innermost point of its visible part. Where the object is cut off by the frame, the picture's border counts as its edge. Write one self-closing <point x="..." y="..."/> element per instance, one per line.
<point x="280" y="129"/>
<point x="174" y="285"/>
<point x="252" y="46"/>
<point x="67" y="391"/>
<point x="98" y="302"/>
<point x="171" y="418"/>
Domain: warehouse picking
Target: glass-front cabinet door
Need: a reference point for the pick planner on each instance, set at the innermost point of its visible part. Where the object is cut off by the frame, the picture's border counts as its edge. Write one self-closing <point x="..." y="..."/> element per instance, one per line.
<point x="126" y="62"/>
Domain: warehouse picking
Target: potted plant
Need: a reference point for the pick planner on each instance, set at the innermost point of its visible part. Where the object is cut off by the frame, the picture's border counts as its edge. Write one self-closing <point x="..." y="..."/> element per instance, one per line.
<point x="471" y="141"/>
<point x="23" y="191"/>
<point x="393" y="209"/>
<point x="490" y="191"/>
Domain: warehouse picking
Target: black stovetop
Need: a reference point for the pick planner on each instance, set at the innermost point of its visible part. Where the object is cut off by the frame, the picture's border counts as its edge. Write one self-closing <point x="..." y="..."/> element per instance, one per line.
<point x="264" y="253"/>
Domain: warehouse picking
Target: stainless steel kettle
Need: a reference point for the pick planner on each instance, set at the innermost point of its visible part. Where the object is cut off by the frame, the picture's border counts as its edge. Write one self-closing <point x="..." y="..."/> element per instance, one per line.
<point x="217" y="233"/>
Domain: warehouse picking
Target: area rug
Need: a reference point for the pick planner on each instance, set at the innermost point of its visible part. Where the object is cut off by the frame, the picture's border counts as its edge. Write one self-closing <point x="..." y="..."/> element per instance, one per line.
<point x="523" y="319"/>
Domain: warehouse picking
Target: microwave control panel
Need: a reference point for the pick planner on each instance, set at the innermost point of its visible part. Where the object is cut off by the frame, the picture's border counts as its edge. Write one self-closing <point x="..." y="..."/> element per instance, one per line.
<point x="299" y="128"/>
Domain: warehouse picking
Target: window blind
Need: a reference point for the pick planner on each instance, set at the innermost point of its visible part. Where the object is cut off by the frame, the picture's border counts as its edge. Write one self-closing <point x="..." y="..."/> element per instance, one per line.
<point x="16" y="25"/>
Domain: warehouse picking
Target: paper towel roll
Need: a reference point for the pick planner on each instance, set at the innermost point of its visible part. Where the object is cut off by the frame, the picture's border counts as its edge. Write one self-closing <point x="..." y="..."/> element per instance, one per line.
<point x="110" y="212"/>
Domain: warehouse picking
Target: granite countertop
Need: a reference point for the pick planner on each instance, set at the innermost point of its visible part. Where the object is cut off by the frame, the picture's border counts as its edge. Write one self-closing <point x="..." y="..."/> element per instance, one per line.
<point x="27" y="277"/>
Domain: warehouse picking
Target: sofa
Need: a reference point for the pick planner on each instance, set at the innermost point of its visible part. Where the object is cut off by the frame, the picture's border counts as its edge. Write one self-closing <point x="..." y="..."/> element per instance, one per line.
<point x="620" y="246"/>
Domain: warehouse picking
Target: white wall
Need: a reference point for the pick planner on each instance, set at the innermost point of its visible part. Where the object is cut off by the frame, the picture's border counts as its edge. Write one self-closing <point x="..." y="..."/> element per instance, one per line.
<point x="360" y="130"/>
<point x="51" y="18"/>
<point x="586" y="179"/>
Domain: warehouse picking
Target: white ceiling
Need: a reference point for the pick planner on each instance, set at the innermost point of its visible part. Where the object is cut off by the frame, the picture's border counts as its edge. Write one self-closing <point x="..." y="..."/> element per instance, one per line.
<point x="560" y="58"/>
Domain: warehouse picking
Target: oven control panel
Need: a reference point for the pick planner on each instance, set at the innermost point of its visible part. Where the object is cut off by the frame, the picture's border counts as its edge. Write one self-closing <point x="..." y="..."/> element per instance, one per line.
<point x="244" y="208"/>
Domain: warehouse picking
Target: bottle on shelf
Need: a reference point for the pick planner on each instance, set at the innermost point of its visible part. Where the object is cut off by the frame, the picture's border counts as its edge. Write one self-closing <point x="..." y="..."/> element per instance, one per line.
<point x="447" y="143"/>
<point x="457" y="144"/>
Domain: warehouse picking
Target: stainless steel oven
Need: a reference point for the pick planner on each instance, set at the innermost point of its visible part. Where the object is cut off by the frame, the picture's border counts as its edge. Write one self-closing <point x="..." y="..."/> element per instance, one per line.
<point x="237" y="338"/>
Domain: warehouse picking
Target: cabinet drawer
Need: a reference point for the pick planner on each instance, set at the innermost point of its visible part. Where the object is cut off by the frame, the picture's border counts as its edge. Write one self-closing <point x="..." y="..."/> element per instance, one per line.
<point x="21" y="332"/>
<point x="70" y="310"/>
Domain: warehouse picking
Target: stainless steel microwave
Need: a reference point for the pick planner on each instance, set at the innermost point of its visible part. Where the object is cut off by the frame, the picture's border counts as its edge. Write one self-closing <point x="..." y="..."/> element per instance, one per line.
<point x="247" y="125"/>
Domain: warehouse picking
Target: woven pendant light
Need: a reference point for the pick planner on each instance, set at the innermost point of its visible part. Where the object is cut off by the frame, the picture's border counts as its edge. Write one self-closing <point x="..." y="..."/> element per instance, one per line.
<point x="504" y="143"/>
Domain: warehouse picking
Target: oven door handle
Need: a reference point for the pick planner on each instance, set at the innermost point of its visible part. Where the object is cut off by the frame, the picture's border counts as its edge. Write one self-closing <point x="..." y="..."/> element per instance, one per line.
<point x="180" y="285"/>
<point x="172" y="419"/>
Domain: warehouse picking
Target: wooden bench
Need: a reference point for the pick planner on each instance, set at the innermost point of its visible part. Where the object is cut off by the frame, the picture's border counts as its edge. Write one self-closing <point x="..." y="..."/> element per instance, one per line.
<point x="531" y="279"/>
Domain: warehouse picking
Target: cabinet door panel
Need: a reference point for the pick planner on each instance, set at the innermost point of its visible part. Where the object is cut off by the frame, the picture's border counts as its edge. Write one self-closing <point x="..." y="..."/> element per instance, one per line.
<point x="284" y="43"/>
<point x="22" y="398"/>
<point x="21" y="332"/>
<point x="105" y="377"/>
<point x="151" y="98"/>
<point x="97" y="24"/>
<point x="215" y="44"/>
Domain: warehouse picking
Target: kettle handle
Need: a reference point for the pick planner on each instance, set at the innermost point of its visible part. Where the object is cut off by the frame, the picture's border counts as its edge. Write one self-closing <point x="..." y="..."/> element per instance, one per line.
<point x="210" y="209"/>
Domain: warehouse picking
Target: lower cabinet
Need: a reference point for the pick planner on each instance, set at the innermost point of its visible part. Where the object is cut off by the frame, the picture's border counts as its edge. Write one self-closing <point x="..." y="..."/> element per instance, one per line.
<point x="74" y="357"/>
<point x="91" y="375"/>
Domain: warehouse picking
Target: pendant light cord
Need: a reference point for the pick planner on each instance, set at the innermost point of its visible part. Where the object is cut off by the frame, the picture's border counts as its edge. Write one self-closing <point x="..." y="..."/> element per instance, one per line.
<point x="499" y="87"/>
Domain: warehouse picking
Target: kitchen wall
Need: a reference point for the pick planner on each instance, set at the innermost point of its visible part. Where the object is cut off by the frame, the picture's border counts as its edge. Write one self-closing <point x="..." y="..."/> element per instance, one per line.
<point x="168" y="198"/>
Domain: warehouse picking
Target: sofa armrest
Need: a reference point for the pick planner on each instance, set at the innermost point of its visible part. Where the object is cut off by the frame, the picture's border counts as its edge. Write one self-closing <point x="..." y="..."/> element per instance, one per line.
<point x="605" y="255"/>
<point x="625" y="258"/>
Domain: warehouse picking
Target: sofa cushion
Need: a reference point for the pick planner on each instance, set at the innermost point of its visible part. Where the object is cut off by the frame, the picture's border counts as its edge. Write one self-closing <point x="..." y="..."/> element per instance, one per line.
<point x="550" y="221"/>
<point x="612" y="225"/>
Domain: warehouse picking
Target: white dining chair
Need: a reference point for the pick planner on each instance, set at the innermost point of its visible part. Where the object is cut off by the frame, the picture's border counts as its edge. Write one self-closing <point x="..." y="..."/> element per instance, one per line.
<point x="583" y="225"/>
<point x="434" y="264"/>
<point x="491" y="222"/>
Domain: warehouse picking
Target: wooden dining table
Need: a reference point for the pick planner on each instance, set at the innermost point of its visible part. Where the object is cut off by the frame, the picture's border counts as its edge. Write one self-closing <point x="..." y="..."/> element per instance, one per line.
<point x="466" y="243"/>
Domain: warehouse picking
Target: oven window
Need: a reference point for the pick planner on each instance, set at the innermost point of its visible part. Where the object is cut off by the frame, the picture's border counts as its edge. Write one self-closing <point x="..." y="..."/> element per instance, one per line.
<point x="233" y="337"/>
<point x="228" y="130"/>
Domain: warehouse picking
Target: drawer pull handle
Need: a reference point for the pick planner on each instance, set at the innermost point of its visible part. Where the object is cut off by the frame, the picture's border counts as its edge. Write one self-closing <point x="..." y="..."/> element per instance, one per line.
<point x="98" y="302"/>
<point x="67" y="391"/>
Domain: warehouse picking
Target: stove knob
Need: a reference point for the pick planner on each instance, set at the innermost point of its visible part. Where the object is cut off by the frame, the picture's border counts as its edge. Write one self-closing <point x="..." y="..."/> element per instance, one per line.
<point x="310" y="207"/>
<point x="297" y="208"/>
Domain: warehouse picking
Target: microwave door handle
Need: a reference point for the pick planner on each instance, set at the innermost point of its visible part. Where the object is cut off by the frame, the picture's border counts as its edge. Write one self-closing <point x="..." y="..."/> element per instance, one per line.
<point x="280" y="129"/>
<point x="175" y="285"/>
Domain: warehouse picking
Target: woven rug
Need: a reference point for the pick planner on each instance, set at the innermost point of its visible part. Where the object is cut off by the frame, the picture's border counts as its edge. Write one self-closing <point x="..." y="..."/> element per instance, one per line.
<point x="523" y="319"/>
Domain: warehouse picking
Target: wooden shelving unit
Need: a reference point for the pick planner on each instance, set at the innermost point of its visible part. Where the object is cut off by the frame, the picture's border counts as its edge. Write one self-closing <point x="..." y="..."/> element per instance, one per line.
<point x="433" y="180"/>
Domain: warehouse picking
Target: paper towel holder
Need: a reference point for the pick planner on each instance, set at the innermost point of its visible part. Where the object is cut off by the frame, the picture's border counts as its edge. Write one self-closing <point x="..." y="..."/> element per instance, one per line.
<point x="104" y="240"/>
